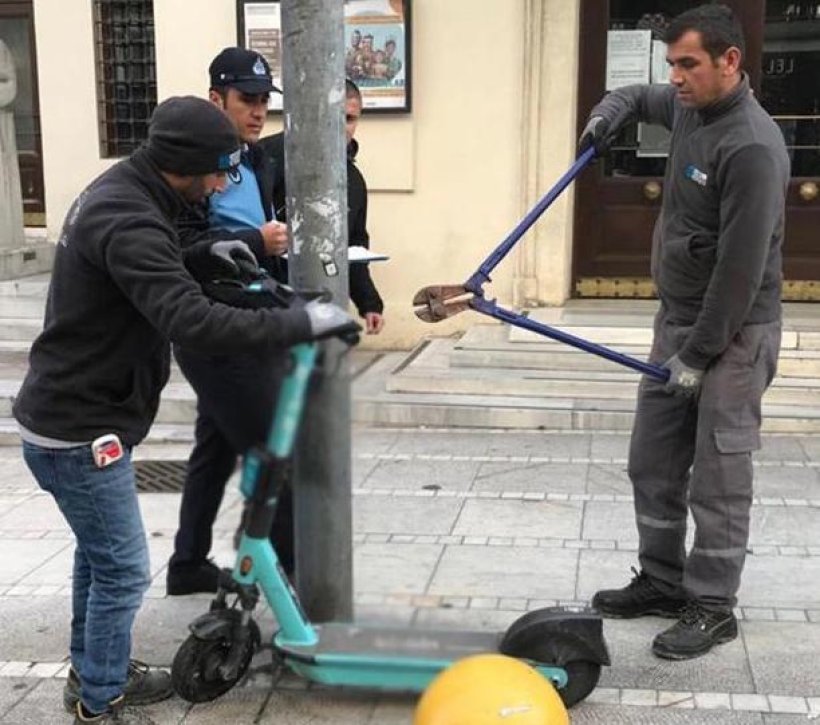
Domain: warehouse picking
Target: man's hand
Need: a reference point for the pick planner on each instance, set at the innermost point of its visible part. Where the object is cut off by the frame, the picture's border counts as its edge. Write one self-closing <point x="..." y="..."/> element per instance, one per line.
<point x="275" y="238"/>
<point x="596" y="133"/>
<point x="231" y="250"/>
<point x="373" y="323"/>
<point x="683" y="380"/>
<point x="329" y="320"/>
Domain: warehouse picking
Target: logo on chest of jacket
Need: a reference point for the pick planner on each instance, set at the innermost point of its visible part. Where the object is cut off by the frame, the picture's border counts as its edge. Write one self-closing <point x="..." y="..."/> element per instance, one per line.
<point x="693" y="173"/>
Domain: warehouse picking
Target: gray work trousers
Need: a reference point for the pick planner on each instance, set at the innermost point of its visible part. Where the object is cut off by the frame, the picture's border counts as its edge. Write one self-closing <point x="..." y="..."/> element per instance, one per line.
<point x="698" y="451"/>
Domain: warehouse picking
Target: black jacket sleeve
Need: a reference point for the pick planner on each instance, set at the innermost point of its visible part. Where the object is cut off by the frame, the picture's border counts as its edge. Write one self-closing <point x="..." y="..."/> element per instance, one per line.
<point x="363" y="291"/>
<point x="146" y="264"/>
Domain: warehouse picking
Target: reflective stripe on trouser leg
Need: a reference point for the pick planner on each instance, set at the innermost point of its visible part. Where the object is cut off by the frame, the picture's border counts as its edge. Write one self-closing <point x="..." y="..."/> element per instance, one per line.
<point x="660" y="456"/>
<point x="720" y="495"/>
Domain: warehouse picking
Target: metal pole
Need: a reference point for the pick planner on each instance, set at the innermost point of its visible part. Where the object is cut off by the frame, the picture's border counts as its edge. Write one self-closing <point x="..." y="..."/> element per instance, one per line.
<point x="316" y="180"/>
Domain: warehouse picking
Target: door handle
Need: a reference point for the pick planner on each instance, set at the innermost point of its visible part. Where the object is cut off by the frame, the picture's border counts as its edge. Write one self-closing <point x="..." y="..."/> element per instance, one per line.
<point x="652" y="190"/>
<point x="808" y="191"/>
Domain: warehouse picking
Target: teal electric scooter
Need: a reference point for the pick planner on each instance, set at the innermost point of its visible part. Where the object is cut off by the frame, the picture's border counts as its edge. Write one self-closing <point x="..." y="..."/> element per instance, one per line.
<point x="565" y="645"/>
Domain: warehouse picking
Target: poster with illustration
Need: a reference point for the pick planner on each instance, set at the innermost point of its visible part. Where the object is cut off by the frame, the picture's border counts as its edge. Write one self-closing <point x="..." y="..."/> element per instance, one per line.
<point x="377" y="48"/>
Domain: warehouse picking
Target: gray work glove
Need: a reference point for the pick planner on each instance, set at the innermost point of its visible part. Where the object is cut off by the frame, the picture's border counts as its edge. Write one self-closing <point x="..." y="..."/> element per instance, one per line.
<point x="329" y="320"/>
<point x="683" y="380"/>
<point x="596" y="133"/>
<point x="231" y="251"/>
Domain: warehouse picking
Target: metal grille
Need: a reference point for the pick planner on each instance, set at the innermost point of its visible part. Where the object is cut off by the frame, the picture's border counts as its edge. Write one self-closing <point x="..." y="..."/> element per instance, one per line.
<point x="126" y="73"/>
<point x="160" y="476"/>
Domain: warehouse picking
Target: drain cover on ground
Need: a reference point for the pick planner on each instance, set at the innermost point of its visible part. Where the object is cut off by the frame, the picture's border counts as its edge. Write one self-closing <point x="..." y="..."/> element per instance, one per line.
<point x="160" y="476"/>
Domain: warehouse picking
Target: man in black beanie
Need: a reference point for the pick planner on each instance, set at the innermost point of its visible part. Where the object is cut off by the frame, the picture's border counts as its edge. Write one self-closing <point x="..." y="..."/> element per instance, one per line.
<point x="119" y="291"/>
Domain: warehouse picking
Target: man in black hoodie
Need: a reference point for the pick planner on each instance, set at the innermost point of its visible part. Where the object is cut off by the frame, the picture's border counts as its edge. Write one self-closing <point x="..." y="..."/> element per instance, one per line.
<point x="119" y="291"/>
<point x="716" y="261"/>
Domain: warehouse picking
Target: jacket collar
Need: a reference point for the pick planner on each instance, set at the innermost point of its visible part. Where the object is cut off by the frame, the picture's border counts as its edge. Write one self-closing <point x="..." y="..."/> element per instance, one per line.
<point x="723" y="105"/>
<point x="352" y="149"/>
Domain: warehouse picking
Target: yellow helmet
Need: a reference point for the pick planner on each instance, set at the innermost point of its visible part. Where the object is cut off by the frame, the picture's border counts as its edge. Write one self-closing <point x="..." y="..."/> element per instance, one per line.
<point x="490" y="689"/>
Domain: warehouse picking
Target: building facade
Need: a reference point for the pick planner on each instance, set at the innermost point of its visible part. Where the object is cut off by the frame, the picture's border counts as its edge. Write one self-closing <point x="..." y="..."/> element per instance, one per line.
<point x="499" y="90"/>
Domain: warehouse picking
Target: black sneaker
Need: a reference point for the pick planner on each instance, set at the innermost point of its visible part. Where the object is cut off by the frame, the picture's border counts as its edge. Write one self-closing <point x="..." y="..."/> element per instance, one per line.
<point x="117" y="713"/>
<point x="639" y="598"/>
<point x="192" y="578"/>
<point x="145" y="685"/>
<point x="695" y="633"/>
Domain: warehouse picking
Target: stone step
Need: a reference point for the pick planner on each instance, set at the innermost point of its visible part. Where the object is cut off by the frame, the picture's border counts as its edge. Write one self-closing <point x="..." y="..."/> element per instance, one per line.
<point x="478" y="411"/>
<point x="20" y="329"/>
<point x="177" y="405"/>
<point x="33" y="286"/>
<point x="488" y="346"/>
<point x="792" y="363"/>
<point x="569" y="386"/>
<point x="430" y="372"/>
<point x="177" y="410"/>
<point x="22" y="307"/>
<point x="375" y="404"/>
<point x="617" y="325"/>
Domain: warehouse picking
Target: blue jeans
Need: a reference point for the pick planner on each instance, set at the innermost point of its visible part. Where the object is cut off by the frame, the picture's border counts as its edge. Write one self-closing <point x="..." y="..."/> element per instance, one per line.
<point x="111" y="571"/>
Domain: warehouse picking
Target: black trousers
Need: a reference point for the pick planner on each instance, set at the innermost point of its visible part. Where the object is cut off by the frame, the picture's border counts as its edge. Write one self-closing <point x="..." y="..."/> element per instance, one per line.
<point x="236" y="396"/>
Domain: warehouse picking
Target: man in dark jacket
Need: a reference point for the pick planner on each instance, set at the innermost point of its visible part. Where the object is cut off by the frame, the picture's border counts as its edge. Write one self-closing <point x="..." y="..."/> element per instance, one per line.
<point x="119" y="291"/>
<point x="363" y="291"/>
<point x="716" y="262"/>
<point x="236" y="393"/>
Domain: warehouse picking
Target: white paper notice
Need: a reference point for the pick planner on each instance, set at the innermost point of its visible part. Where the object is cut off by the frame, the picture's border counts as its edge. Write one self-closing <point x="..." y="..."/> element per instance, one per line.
<point x="627" y="57"/>
<point x="660" y="68"/>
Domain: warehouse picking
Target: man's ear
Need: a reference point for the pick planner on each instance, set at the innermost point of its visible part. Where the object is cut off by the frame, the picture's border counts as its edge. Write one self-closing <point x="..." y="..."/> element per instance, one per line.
<point x="215" y="97"/>
<point x="732" y="60"/>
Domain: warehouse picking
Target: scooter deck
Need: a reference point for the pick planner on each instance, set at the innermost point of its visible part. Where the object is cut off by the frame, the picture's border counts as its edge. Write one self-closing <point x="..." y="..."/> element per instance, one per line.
<point x="382" y="657"/>
<point x="395" y="642"/>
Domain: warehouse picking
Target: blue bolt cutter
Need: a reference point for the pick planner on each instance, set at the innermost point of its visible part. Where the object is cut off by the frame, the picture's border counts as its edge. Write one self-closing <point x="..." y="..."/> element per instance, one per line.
<point x="438" y="302"/>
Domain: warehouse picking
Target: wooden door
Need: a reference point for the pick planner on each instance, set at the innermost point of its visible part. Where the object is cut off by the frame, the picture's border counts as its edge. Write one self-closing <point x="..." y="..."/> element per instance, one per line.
<point x="17" y="32"/>
<point x="617" y="201"/>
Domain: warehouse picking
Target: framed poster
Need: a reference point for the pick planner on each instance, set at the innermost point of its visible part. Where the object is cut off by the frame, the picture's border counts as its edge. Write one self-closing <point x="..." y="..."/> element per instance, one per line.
<point x="377" y="48"/>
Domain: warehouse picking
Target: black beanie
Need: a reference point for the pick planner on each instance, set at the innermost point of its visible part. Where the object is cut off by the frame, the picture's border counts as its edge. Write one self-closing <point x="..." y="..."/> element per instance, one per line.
<point x="190" y="136"/>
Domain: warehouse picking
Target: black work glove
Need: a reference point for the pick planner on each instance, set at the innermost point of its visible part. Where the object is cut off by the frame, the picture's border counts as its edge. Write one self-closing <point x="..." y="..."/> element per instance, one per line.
<point x="330" y="320"/>
<point x="683" y="380"/>
<point x="596" y="133"/>
<point x="232" y="253"/>
<point x="209" y="260"/>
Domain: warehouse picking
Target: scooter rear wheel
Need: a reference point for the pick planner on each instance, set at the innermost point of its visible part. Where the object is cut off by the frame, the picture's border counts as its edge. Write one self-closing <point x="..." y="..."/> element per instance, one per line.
<point x="534" y="640"/>
<point x="195" y="671"/>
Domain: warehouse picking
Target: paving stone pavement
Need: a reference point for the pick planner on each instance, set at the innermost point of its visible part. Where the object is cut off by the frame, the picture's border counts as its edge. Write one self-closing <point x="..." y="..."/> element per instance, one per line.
<point x="457" y="528"/>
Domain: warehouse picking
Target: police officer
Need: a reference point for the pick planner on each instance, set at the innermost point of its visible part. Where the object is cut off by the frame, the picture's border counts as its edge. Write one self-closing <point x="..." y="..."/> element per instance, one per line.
<point x="236" y="393"/>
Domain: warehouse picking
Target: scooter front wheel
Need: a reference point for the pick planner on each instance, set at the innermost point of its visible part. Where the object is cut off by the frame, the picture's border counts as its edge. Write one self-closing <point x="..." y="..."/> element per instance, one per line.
<point x="196" y="671"/>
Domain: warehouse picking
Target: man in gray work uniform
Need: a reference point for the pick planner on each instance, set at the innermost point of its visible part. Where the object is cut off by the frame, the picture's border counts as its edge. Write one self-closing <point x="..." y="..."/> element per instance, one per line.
<point x="716" y="262"/>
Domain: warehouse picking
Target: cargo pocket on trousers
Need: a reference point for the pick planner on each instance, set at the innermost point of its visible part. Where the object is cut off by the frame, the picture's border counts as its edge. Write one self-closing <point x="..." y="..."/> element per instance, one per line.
<point x="737" y="440"/>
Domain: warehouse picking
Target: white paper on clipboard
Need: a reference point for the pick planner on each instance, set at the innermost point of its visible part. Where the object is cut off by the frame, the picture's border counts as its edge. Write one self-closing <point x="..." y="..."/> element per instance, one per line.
<point x="357" y="254"/>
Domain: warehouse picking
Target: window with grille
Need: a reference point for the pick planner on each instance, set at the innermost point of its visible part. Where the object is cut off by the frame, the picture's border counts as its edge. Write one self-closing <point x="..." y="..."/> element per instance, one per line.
<point x="126" y="73"/>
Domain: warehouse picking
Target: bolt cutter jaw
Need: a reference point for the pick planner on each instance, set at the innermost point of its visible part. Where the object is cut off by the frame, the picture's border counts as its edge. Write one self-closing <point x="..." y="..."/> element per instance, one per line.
<point x="438" y="302"/>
